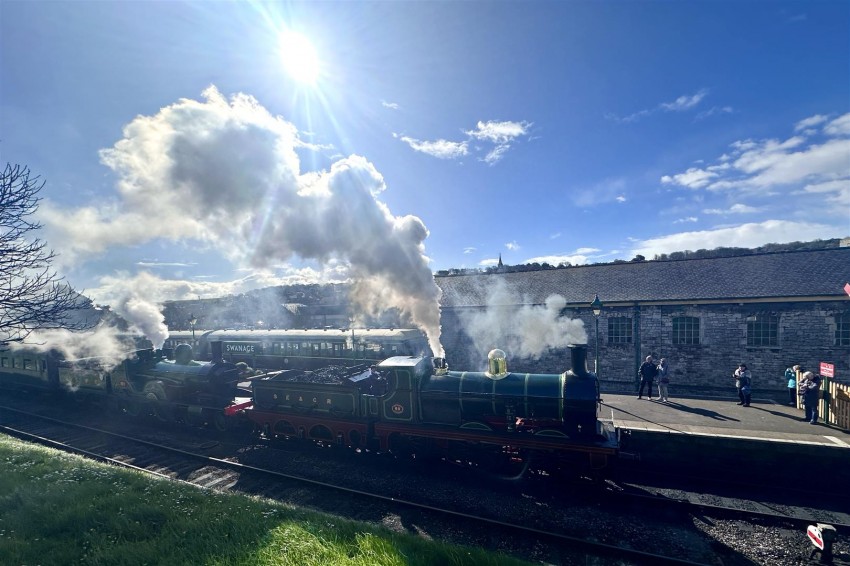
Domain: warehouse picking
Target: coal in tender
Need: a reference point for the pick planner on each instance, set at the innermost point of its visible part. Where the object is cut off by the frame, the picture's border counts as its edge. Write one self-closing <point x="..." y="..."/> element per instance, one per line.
<point x="331" y="375"/>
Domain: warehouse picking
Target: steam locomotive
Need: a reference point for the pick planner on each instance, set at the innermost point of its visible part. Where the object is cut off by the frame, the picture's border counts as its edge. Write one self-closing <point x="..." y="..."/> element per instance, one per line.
<point x="144" y="382"/>
<point x="414" y="405"/>
<point x="406" y="405"/>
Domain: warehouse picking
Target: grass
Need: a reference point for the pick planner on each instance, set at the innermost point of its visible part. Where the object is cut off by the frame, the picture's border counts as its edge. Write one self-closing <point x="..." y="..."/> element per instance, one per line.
<point x="61" y="509"/>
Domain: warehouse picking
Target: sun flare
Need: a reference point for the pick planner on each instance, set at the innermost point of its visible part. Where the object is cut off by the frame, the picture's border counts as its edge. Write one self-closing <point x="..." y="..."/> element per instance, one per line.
<point x="299" y="57"/>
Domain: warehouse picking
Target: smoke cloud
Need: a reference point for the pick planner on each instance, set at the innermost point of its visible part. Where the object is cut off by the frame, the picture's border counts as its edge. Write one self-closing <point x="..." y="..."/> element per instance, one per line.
<point x="527" y="332"/>
<point x="226" y="174"/>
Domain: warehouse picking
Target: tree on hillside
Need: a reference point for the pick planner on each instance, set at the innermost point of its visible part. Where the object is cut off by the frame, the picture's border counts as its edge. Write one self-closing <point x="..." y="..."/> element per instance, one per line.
<point x="32" y="297"/>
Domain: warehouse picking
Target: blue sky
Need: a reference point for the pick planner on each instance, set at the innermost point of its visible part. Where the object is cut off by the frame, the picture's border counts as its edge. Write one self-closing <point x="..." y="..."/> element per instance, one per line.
<point x="183" y="158"/>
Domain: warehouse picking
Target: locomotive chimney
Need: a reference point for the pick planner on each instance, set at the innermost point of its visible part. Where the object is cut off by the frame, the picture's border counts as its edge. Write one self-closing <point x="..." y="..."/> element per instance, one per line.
<point x="578" y="355"/>
<point x="215" y="351"/>
<point x="441" y="366"/>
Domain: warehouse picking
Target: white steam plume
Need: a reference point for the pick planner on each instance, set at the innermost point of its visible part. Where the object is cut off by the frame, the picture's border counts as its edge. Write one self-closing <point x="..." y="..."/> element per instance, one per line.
<point x="227" y="173"/>
<point x="526" y="332"/>
<point x="137" y="300"/>
<point x="104" y="342"/>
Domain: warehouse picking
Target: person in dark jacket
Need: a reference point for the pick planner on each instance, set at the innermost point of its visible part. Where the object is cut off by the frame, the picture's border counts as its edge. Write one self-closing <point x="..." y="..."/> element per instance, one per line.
<point x="743" y="383"/>
<point x="810" y="387"/>
<point x="647" y="372"/>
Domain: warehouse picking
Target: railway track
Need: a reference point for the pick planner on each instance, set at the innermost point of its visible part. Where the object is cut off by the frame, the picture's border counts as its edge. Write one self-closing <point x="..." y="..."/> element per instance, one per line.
<point x="214" y="465"/>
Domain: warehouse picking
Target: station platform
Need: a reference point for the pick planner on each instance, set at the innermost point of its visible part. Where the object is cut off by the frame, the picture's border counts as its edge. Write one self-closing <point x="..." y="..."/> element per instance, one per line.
<point x="765" y="436"/>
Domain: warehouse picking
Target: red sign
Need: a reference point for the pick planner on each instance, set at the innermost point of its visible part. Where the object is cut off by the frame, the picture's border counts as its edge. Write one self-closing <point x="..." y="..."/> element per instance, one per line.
<point x="847" y="288"/>
<point x="827" y="370"/>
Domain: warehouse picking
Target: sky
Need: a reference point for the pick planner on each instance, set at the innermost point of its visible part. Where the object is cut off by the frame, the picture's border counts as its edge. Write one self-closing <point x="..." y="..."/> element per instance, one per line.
<point x="200" y="149"/>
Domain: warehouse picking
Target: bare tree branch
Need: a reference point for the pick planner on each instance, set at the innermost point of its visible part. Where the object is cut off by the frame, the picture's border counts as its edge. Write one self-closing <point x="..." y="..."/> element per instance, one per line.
<point x="32" y="296"/>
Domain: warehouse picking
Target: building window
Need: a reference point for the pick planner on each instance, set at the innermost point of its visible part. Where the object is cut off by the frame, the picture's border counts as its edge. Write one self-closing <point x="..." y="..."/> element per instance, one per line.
<point x="685" y="330"/>
<point x="619" y="330"/>
<point x="763" y="330"/>
<point x="842" y="330"/>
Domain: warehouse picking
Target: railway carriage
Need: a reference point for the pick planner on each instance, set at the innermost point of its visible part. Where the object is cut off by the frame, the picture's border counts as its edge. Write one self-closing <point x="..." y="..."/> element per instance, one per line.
<point x="303" y="349"/>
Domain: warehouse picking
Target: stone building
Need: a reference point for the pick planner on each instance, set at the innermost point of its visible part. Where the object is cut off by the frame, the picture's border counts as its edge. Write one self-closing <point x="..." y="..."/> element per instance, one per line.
<point x="705" y="316"/>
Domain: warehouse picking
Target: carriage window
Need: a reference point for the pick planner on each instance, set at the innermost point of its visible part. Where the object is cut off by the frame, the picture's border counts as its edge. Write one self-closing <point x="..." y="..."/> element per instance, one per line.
<point x="4" y="362"/>
<point x="28" y="364"/>
<point x="14" y="362"/>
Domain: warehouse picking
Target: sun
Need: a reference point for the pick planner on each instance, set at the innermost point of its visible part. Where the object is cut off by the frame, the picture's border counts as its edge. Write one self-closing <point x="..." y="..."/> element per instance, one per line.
<point x="299" y="57"/>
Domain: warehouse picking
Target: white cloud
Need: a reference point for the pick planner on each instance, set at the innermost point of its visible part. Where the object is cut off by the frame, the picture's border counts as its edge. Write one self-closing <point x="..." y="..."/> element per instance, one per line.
<point x="468" y="250"/>
<point x="441" y="149"/>
<point x="839" y="127"/>
<point x="390" y="105"/>
<point x="501" y="134"/>
<point x="693" y="178"/>
<point x="512" y="246"/>
<point x="810" y="122"/>
<point x="555" y="236"/>
<point x="621" y="198"/>
<point x="838" y="192"/>
<point x="682" y="103"/>
<point x="777" y="168"/>
<point x="557" y="259"/>
<point x="714" y="111"/>
<point x="734" y="209"/>
<point x="744" y="236"/>
<point x="587" y="250"/>
<point x="687" y="219"/>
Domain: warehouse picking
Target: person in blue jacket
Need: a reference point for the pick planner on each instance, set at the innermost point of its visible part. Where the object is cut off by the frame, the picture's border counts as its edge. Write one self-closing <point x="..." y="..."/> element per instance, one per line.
<point x="791" y="376"/>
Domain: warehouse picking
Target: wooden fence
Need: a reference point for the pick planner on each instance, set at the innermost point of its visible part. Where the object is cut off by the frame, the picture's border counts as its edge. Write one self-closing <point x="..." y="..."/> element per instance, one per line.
<point x="835" y="405"/>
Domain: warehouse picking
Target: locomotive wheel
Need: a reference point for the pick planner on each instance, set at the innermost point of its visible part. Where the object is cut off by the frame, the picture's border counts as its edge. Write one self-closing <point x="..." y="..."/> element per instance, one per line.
<point x="503" y="463"/>
<point x="132" y="408"/>
<point x="155" y="393"/>
<point x="220" y="421"/>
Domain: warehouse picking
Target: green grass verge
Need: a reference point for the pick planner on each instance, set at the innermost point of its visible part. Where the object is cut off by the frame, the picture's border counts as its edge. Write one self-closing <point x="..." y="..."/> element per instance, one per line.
<point x="57" y="508"/>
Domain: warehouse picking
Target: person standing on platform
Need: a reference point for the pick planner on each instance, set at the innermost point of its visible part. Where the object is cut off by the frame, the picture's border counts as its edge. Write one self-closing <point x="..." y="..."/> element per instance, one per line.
<point x="743" y="382"/>
<point x="647" y="372"/>
<point x="791" y="376"/>
<point x="810" y="387"/>
<point x="663" y="379"/>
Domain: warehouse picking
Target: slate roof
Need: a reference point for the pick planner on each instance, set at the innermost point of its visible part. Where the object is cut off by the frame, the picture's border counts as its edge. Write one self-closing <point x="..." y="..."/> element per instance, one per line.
<point x="801" y="274"/>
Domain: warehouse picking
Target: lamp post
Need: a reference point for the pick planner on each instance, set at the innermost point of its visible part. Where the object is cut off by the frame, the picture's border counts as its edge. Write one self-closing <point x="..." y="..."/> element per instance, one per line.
<point x="596" y="305"/>
<point x="192" y="322"/>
